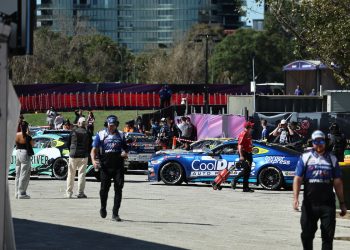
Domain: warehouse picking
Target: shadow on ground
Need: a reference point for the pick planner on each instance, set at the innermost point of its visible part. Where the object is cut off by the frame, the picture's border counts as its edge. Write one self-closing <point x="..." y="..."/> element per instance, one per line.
<point x="32" y="235"/>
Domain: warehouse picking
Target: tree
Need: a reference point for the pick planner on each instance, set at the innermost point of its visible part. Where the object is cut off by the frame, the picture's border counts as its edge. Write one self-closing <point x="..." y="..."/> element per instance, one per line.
<point x="184" y="63"/>
<point x="321" y="28"/>
<point x="79" y="58"/>
<point x="232" y="58"/>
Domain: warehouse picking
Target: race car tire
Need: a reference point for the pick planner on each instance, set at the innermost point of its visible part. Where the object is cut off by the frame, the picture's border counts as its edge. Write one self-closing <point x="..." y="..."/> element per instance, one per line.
<point x="172" y="173"/>
<point x="270" y="178"/>
<point x="60" y="168"/>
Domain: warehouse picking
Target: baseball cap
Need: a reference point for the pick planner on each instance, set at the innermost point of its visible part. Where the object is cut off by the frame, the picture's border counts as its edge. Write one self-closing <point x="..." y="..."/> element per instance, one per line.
<point x="81" y="120"/>
<point x="163" y="119"/>
<point x="318" y="134"/>
<point x="283" y="121"/>
<point x="112" y="120"/>
<point x="248" y="124"/>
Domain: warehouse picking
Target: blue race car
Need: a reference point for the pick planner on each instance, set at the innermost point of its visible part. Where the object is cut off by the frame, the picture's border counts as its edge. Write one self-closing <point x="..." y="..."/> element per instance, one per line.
<point x="273" y="165"/>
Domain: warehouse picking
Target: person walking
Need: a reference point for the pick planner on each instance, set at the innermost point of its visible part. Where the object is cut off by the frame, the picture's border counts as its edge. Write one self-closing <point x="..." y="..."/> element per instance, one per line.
<point x="79" y="144"/>
<point x="337" y="142"/>
<point x="24" y="146"/>
<point x="109" y="149"/>
<point x="245" y="148"/>
<point x="320" y="173"/>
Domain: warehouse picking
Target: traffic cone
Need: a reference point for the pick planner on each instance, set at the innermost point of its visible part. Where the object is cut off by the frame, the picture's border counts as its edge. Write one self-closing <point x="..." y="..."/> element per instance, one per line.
<point x="174" y="142"/>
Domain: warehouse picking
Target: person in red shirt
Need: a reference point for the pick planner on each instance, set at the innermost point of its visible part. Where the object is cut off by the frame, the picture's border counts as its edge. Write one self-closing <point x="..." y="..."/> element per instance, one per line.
<point x="245" y="148"/>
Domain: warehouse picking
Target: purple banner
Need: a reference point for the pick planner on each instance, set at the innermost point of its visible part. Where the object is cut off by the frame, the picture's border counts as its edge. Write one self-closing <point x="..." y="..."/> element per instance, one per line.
<point x="217" y="126"/>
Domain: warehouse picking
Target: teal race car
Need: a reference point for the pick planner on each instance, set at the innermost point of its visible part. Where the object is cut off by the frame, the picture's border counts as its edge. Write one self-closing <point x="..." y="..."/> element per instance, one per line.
<point x="50" y="157"/>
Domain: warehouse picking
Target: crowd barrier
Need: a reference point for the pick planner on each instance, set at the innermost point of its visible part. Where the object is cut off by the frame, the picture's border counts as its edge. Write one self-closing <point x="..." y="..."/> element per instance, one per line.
<point x="106" y="100"/>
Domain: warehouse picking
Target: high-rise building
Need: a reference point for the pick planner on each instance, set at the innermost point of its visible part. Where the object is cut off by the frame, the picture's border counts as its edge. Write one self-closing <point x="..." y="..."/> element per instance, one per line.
<point x="137" y="24"/>
<point x="254" y="14"/>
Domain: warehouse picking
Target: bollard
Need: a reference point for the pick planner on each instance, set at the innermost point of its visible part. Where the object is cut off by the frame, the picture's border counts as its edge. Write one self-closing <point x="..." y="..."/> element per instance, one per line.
<point x="174" y="142"/>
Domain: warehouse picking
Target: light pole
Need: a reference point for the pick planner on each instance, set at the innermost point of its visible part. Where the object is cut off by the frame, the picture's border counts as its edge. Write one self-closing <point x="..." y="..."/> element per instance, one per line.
<point x="206" y="83"/>
<point x="253" y="85"/>
<point x="134" y="73"/>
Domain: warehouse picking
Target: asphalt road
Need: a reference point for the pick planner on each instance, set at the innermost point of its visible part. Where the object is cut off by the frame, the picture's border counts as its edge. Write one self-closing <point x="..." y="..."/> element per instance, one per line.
<point x="156" y="216"/>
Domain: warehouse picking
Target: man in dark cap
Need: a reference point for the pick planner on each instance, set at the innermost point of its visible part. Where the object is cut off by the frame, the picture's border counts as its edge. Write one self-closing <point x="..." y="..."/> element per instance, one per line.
<point x="107" y="155"/>
<point x="245" y="148"/>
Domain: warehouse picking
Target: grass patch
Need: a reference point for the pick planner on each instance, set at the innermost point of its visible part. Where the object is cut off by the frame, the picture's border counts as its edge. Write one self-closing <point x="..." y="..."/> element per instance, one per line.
<point x="39" y="119"/>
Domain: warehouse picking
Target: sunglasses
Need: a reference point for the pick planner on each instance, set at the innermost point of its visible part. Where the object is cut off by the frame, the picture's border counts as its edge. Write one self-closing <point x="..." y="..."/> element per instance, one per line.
<point x="319" y="142"/>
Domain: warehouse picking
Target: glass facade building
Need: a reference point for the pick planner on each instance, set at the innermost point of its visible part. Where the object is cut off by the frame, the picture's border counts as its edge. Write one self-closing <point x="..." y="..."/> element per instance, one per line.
<point x="140" y="25"/>
<point x="254" y="14"/>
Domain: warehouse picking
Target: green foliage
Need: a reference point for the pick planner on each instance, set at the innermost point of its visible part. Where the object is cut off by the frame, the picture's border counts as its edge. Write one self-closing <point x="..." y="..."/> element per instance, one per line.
<point x="232" y="59"/>
<point x="39" y="119"/>
<point x="321" y="29"/>
<point x="184" y="63"/>
<point x="80" y="58"/>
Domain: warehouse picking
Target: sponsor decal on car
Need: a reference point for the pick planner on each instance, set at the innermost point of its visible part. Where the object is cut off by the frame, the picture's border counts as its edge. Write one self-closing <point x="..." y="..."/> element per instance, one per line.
<point x="288" y="173"/>
<point x="277" y="159"/>
<point x="211" y="167"/>
<point x="36" y="159"/>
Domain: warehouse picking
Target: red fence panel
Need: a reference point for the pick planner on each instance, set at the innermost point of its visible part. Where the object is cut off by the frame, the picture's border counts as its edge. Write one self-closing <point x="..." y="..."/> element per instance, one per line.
<point x="109" y="100"/>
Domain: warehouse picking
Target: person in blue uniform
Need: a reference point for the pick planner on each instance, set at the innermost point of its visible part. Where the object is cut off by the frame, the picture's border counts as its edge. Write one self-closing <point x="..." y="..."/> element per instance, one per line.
<point x="320" y="172"/>
<point x="108" y="152"/>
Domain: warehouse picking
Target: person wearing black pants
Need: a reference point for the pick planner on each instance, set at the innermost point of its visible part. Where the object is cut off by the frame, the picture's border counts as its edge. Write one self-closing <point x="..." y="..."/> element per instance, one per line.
<point x="245" y="173"/>
<point x="107" y="174"/>
<point x="310" y="214"/>
<point x="107" y="155"/>
<point x="320" y="172"/>
<point x="245" y="147"/>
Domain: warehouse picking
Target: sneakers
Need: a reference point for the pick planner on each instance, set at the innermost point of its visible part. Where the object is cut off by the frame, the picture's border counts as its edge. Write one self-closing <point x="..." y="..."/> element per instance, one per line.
<point x="103" y="213"/>
<point x="25" y="196"/>
<point x="68" y="195"/>
<point x="80" y="196"/>
<point x="248" y="190"/>
<point x="116" y="218"/>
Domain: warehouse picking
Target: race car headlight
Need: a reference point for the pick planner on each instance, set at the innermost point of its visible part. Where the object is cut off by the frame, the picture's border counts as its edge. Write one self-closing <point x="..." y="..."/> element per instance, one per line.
<point x="155" y="162"/>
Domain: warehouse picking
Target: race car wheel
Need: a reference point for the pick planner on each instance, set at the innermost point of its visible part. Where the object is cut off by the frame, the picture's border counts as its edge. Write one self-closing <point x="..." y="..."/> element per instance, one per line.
<point x="172" y="173"/>
<point x="60" y="168"/>
<point x="271" y="178"/>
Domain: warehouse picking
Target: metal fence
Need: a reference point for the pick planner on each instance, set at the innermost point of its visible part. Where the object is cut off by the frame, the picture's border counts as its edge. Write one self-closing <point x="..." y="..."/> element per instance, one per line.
<point x="108" y="100"/>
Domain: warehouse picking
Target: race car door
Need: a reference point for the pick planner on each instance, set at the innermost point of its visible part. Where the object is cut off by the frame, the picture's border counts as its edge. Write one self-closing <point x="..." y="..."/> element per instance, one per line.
<point x="228" y="154"/>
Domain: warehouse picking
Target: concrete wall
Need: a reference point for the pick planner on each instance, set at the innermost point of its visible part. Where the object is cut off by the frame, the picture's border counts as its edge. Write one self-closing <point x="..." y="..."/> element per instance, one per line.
<point x="237" y="103"/>
<point x="338" y="101"/>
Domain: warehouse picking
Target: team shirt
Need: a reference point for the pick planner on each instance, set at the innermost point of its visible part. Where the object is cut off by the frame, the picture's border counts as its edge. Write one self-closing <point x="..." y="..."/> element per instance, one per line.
<point x="245" y="140"/>
<point x="109" y="143"/>
<point x="318" y="172"/>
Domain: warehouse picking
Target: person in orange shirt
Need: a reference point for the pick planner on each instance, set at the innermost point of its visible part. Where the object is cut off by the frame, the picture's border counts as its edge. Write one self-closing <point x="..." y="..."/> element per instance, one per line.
<point x="245" y="148"/>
